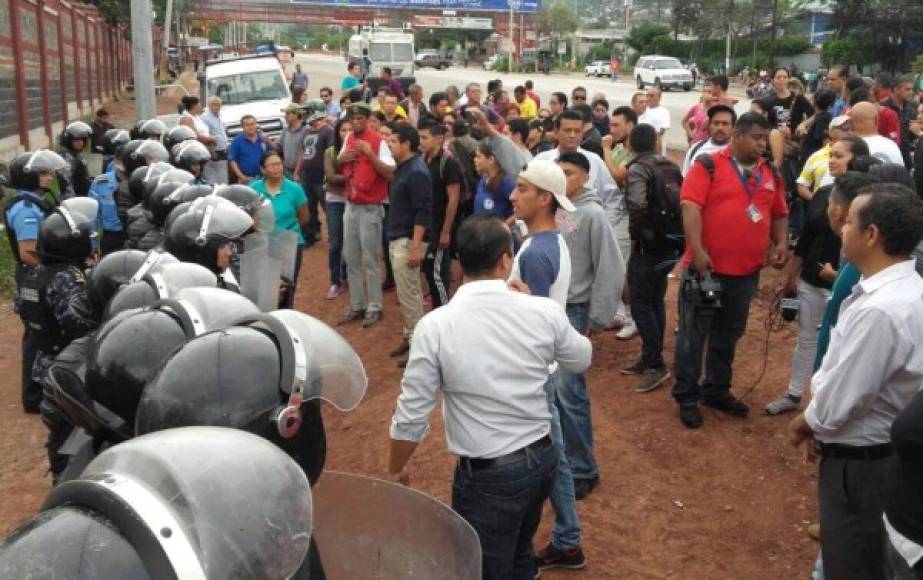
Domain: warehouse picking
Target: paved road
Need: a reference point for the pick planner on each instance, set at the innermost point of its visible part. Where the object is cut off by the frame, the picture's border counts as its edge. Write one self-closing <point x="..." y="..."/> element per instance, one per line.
<point x="329" y="71"/>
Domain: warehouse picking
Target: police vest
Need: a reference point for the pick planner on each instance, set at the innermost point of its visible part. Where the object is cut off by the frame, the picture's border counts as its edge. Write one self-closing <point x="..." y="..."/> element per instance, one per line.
<point x="29" y="198"/>
<point x="34" y="310"/>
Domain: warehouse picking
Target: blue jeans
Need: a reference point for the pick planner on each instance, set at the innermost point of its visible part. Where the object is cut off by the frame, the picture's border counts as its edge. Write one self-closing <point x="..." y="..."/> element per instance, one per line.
<point x="504" y="506"/>
<point x="335" y="211"/>
<point x="573" y="402"/>
<point x="647" y="281"/>
<point x="566" y="532"/>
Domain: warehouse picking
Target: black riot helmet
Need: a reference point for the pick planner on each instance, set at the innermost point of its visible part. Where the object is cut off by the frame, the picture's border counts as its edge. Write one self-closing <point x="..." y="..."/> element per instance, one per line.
<point x="130" y="346"/>
<point x="114" y="140"/>
<point x="151" y="129"/>
<point x="191" y="156"/>
<point x="149" y="151"/>
<point x="117" y="269"/>
<point x="129" y="161"/>
<point x="282" y="360"/>
<point x="157" y="507"/>
<point x="185" y="194"/>
<point x="196" y="235"/>
<point x="177" y="135"/>
<point x="159" y="282"/>
<point x="143" y="180"/>
<point x="158" y="207"/>
<point x="76" y="131"/>
<point x="26" y="168"/>
<point x="68" y="234"/>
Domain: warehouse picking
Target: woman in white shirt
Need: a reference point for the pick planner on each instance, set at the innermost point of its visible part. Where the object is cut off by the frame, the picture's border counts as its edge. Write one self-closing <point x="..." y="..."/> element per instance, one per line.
<point x="192" y="108"/>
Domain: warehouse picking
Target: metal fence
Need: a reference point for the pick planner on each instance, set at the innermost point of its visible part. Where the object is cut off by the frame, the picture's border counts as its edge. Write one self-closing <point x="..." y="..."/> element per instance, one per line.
<point x="59" y="61"/>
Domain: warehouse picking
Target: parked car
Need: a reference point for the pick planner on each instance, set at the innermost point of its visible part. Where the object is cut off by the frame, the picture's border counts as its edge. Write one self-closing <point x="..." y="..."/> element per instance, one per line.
<point x="598" y="68"/>
<point x="665" y="72"/>
<point x="432" y="60"/>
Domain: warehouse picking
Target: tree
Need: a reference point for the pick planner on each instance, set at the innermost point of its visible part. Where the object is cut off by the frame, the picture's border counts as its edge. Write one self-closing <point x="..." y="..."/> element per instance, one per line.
<point x="646" y="37"/>
<point x="557" y="20"/>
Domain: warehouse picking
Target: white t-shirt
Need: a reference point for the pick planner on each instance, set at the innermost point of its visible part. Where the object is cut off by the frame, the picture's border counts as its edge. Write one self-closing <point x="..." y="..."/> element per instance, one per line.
<point x="706" y="148"/>
<point x="884" y="149"/>
<point x="659" y="119"/>
<point x="200" y="127"/>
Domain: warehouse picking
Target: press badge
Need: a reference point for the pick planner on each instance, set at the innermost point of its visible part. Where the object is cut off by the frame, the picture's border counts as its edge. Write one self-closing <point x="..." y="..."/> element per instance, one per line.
<point x="754" y="214"/>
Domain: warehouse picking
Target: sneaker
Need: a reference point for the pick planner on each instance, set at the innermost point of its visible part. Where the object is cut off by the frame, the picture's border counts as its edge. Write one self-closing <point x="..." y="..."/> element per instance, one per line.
<point x="727" y="403"/>
<point x="372" y="318"/>
<point x="584" y="487"/>
<point x="550" y="557"/>
<point x="628" y="332"/>
<point x="334" y="292"/>
<point x="619" y="321"/>
<point x="635" y="369"/>
<point x="351" y="315"/>
<point x="690" y="416"/>
<point x="653" y="378"/>
<point x="785" y="404"/>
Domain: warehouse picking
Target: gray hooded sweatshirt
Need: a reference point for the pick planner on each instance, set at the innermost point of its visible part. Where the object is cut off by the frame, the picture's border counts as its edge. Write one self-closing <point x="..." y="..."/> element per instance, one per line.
<point x="597" y="267"/>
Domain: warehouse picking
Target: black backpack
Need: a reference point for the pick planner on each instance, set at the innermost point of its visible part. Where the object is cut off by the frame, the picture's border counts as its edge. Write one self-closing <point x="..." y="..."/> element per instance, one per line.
<point x="470" y="176"/>
<point x="662" y="230"/>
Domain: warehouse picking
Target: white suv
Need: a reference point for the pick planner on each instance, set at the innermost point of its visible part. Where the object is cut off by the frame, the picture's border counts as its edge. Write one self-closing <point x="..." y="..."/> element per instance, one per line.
<point x="663" y="71"/>
<point x="253" y="85"/>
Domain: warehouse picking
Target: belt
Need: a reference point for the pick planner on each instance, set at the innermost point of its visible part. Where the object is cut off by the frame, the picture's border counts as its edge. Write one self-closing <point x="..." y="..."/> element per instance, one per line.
<point x="221" y="155"/>
<point x="477" y="463"/>
<point x="864" y="453"/>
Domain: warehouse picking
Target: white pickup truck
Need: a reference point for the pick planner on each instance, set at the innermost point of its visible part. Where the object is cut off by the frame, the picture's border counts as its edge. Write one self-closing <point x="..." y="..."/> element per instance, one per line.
<point x="249" y="85"/>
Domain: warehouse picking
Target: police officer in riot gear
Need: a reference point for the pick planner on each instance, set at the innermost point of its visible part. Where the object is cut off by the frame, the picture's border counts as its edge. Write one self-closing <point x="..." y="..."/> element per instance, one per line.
<point x="291" y="360"/>
<point x="168" y="506"/>
<point x="148" y="129"/>
<point x="192" y="157"/>
<point x="177" y="135"/>
<point x="74" y="141"/>
<point x="146" y="220"/>
<point x="111" y="273"/>
<point x="205" y="235"/>
<point x="104" y="190"/>
<point x="155" y="282"/>
<point x="112" y="143"/>
<point x="53" y="302"/>
<point x="31" y="175"/>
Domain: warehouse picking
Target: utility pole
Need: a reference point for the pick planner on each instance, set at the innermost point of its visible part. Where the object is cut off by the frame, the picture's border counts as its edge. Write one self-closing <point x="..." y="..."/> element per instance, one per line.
<point x="727" y="48"/>
<point x="142" y="52"/>
<point x="165" y="49"/>
<point x="513" y="5"/>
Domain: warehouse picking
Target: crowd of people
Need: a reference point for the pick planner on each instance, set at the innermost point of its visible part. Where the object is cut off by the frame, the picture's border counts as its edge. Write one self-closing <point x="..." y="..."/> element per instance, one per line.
<point x="564" y="219"/>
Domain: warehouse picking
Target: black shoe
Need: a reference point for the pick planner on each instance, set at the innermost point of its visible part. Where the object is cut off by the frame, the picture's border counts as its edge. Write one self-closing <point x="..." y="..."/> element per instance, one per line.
<point x="31" y="409"/>
<point x="351" y="315"/>
<point x="401" y="349"/>
<point x="635" y="369"/>
<point x="690" y="416"/>
<point x="727" y="403"/>
<point x="551" y="557"/>
<point x="584" y="487"/>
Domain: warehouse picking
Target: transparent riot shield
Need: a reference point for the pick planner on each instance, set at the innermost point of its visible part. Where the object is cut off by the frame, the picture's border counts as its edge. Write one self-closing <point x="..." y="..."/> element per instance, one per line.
<point x="369" y="528"/>
<point x="259" y="274"/>
<point x="216" y="172"/>
<point x="283" y="245"/>
<point x="94" y="163"/>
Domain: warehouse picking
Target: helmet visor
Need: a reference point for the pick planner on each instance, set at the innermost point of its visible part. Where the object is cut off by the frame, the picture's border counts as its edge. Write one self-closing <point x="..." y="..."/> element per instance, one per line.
<point x="172" y="278"/>
<point x="44" y="161"/>
<point x="214" y="307"/>
<point x="221" y="217"/>
<point x="152" y="151"/>
<point x="334" y="371"/>
<point x="79" y="130"/>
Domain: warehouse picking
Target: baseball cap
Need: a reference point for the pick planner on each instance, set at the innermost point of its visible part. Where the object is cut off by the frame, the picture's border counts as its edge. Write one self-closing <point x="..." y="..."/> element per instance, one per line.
<point x="360" y="109"/>
<point x="546" y="175"/>
<point x="838" y="122"/>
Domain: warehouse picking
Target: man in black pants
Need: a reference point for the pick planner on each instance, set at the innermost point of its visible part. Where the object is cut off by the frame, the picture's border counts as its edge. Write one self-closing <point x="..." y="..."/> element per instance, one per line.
<point x="872" y="370"/>
<point x="652" y="255"/>
<point x="447" y="178"/>
<point x="733" y="205"/>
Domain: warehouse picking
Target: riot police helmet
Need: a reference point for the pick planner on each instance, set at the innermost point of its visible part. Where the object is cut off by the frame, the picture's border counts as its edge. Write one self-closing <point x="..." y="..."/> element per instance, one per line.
<point x="197" y="235"/>
<point x="177" y="135"/>
<point x="119" y="268"/>
<point x="157" y="507"/>
<point x="68" y="235"/>
<point x="76" y="131"/>
<point x="26" y="169"/>
<point x="114" y="140"/>
<point x="151" y="129"/>
<point x="159" y="282"/>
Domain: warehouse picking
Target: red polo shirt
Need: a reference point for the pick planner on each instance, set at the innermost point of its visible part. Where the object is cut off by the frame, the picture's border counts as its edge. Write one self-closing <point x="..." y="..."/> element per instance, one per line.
<point x="736" y="244"/>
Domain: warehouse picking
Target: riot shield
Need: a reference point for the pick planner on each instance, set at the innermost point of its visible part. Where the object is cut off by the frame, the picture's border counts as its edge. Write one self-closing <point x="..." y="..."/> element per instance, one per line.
<point x="334" y="370"/>
<point x="259" y="274"/>
<point x="94" y="163"/>
<point x="216" y="172"/>
<point x="369" y="528"/>
<point x="283" y="245"/>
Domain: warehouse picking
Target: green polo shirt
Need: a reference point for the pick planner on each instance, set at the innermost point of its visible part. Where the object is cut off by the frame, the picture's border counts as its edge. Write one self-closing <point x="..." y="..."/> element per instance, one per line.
<point x="621" y="156"/>
<point x="285" y="204"/>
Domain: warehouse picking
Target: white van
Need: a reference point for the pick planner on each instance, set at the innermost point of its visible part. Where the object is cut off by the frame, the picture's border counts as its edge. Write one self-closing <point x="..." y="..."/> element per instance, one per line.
<point x="662" y="71"/>
<point x="250" y="85"/>
<point x="387" y="47"/>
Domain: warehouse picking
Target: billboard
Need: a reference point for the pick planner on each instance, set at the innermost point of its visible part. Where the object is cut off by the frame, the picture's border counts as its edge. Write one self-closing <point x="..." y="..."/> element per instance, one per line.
<point x="526" y="6"/>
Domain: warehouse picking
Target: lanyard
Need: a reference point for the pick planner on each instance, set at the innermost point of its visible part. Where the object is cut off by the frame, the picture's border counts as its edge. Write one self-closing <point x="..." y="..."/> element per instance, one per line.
<point x="745" y="183"/>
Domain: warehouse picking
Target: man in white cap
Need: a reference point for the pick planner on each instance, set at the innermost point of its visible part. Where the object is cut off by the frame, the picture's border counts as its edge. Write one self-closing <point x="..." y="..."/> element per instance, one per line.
<point x="543" y="264"/>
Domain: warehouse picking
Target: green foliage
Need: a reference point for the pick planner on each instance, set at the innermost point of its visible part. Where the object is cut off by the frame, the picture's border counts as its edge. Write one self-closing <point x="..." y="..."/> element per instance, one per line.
<point x="647" y="37"/>
<point x="603" y="51"/>
<point x="846" y="51"/>
<point x="557" y="19"/>
<point x="918" y="64"/>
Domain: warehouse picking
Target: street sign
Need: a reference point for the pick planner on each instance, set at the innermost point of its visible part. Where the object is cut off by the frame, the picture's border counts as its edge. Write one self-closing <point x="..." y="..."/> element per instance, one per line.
<point x="562" y="47"/>
<point x="458" y="23"/>
<point x="526" y="6"/>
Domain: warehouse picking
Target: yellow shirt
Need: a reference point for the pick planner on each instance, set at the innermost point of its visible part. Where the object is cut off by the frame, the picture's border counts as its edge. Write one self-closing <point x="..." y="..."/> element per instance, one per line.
<point x="398" y="112"/>
<point x="816" y="172"/>
<point x="527" y="109"/>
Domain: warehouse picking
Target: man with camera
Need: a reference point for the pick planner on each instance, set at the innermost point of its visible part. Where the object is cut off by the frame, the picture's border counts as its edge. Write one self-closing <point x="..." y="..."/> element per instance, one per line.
<point x="733" y="206"/>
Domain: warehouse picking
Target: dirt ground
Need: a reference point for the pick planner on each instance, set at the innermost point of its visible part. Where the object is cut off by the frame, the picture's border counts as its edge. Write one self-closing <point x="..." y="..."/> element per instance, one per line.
<point x="728" y="501"/>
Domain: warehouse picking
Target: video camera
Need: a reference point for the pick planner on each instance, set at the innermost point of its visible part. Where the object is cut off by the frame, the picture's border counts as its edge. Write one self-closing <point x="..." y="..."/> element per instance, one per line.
<point x="704" y="292"/>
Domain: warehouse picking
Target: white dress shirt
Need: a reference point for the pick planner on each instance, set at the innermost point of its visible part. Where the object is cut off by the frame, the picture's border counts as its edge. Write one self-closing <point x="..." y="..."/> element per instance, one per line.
<point x="659" y="118"/>
<point x="601" y="180"/>
<point x="874" y="364"/>
<point x="488" y="350"/>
